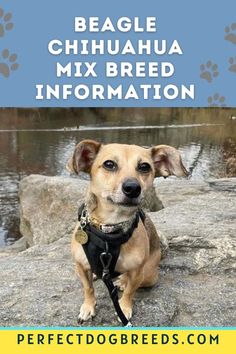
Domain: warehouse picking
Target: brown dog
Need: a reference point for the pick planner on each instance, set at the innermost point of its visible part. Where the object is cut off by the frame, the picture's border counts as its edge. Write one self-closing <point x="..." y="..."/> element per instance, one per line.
<point x="120" y="176"/>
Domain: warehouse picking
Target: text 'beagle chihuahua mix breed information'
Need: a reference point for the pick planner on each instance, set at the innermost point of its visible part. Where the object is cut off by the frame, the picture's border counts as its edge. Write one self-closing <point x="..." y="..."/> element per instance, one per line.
<point x="89" y="73"/>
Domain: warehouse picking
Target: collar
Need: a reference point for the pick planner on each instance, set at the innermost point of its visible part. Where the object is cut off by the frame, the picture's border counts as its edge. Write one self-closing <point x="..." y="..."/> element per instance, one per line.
<point x="99" y="237"/>
<point x="85" y="219"/>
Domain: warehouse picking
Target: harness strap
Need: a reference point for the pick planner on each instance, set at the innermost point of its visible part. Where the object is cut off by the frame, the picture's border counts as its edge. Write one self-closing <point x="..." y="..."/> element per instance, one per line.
<point x="113" y="292"/>
<point x="106" y="259"/>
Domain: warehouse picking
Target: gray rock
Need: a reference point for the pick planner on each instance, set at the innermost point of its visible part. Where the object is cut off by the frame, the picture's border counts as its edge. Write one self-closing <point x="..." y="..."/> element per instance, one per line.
<point x="224" y="184"/>
<point x="202" y="227"/>
<point x="173" y="191"/>
<point x="19" y="246"/>
<point x="49" y="206"/>
<point x="197" y="278"/>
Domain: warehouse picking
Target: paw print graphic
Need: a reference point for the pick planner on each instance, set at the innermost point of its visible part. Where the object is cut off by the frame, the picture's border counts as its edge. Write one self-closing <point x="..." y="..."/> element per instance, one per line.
<point x="5" y="22"/>
<point x="208" y="71"/>
<point x="232" y="66"/>
<point x="8" y="63"/>
<point x="231" y="33"/>
<point x="216" y="101"/>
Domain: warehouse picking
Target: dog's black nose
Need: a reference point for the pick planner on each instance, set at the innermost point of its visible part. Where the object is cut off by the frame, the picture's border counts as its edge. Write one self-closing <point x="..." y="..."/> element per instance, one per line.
<point x="131" y="188"/>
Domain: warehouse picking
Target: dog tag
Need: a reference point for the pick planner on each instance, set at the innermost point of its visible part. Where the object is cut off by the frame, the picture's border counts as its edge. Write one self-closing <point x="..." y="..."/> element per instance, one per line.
<point x="81" y="236"/>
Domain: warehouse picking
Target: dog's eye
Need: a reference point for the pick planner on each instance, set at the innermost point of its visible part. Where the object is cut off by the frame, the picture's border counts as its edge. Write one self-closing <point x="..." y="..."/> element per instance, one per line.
<point x="144" y="167"/>
<point x="110" y="165"/>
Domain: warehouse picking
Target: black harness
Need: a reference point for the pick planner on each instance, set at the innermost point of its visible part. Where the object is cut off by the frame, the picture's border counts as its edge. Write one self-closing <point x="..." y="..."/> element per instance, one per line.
<point x="102" y="251"/>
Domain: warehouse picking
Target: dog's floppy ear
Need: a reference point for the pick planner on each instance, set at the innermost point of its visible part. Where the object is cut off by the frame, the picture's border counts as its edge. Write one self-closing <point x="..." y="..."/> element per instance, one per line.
<point x="83" y="156"/>
<point x="167" y="161"/>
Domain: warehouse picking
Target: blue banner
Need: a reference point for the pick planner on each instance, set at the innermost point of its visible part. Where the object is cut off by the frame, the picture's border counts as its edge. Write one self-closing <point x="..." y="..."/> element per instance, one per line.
<point x="120" y="53"/>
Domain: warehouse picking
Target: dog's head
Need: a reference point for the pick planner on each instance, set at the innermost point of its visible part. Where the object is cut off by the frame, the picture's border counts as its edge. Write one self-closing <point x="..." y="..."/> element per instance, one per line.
<point x="120" y="174"/>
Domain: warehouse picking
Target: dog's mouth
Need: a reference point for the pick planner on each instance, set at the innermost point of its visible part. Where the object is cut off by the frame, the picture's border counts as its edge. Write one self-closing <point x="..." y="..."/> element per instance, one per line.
<point x="126" y="202"/>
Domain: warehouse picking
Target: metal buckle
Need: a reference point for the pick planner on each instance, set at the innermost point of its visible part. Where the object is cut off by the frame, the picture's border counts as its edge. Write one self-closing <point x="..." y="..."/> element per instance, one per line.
<point x="83" y="219"/>
<point x="105" y="258"/>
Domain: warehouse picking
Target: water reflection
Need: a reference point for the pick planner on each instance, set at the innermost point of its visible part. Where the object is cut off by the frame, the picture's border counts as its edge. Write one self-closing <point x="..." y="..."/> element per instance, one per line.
<point x="41" y="140"/>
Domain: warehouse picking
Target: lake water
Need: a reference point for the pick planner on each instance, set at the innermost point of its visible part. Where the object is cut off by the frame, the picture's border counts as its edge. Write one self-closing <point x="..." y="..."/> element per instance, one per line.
<point x="41" y="141"/>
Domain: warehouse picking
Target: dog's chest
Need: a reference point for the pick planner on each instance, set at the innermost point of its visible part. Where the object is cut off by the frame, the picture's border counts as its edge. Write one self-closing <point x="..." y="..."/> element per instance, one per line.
<point x="134" y="253"/>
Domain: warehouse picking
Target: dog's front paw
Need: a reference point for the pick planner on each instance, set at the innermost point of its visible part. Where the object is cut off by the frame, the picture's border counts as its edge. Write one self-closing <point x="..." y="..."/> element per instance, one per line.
<point x="126" y="307"/>
<point x="121" y="282"/>
<point x="87" y="311"/>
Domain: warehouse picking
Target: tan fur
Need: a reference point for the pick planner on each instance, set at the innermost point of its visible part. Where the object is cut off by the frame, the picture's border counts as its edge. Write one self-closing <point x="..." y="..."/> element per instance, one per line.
<point x="139" y="258"/>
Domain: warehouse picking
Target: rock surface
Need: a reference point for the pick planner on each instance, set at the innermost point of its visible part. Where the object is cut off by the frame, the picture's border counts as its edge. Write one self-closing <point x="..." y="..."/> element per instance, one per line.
<point x="48" y="207"/>
<point x="197" y="280"/>
<point x="202" y="227"/>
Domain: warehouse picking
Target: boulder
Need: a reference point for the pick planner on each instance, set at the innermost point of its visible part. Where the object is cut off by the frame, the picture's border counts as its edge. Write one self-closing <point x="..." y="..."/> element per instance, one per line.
<point x="49" y="207"/>
<point x="197" y="277"/>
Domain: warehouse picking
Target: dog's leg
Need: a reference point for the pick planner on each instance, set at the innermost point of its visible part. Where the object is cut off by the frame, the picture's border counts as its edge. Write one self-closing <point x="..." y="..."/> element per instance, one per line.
<point x="151" y="269"/>
<point x="134" y="279"/>
<point x="87" y="309"/>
